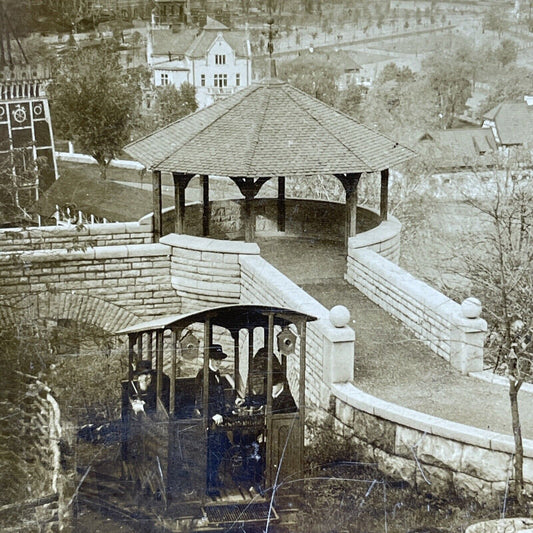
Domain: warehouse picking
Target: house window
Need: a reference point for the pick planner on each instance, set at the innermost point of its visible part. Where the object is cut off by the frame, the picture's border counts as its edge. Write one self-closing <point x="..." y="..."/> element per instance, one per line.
<point x="164" y="78"/>
<point x="202" y="80"/>
<point x="220" y="59"/>
<point x="221" y="80"/>
<point x="237" y="80"/>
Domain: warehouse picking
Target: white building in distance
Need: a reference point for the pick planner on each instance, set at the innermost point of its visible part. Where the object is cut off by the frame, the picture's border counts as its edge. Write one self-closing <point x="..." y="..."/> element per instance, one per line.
<point x="216" y="60"/>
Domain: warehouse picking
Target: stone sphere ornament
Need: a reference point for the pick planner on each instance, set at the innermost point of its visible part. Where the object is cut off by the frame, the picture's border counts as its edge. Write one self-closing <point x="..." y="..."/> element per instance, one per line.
<point x="339" y="316"/>
<point x="471" y="308"/>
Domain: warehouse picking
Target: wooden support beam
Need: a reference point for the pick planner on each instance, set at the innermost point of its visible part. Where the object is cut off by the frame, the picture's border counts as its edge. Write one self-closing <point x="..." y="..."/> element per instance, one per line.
<point x="351" y="215"/>
<point x="281" y="203"/>
<point x="206" y="214"/>
<point x="159" y="339"/>
<point x="249" y="219"/>
<point x="384" y="198"/>
<point x="350" y="182"/>
<point x="157" y="230"/>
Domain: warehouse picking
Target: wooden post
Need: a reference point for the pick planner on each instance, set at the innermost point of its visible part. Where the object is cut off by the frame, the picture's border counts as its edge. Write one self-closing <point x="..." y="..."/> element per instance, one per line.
<point x="268" y="412"/>
<point x="301" y="393"/>
<point x="149" y="346"/>
<point x="172" y="400"/>
<point x="159" y="339"/>
<point x="206" y="212"/>
<point x="351" y="214"/>
<point x="236" y="363"/>
<point x="157" y="230"/>
<point x="249" y="222"/>
<point x="179" y="202"/>
<point x="384" y="198"/>
<point x="250" y="359"/>
<point x="281" y="203"/>
<point x="132" y="340"/>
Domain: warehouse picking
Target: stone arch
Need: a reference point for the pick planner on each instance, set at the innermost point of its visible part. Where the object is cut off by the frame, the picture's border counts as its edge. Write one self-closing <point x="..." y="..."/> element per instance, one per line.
<point x="66" y="305"/>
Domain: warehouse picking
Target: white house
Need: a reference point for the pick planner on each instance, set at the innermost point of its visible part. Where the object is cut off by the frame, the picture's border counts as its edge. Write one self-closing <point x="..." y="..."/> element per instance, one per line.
<point x="216" y="60"/>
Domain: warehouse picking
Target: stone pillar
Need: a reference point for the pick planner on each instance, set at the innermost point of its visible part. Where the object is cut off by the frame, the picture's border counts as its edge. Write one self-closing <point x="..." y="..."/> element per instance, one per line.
<point x="338" y="350"/>
<point x="467" y="337"/>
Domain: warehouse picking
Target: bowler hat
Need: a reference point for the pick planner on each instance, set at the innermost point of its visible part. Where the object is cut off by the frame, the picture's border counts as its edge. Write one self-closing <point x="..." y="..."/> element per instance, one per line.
<point x="216" y="352"/>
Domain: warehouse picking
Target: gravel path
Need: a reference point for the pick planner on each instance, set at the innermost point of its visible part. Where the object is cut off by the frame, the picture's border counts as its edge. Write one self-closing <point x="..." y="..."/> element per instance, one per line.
<point x="390" y="362"/>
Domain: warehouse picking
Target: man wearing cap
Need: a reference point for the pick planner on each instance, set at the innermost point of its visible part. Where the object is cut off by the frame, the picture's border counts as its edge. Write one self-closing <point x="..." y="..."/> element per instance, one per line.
<point x="217" y="408"/>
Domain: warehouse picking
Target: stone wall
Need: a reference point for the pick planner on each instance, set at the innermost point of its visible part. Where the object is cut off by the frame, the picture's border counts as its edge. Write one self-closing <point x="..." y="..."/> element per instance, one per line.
<point x="330" y="350"/>
<point x="434" y="455"/>
<point x="205" y="272"/>
<point x="308" y="218"/>
<point x="383" y="239"/>
<point x="76" y="237"/>
<point x="432" y="316"/>
<point x="109" y="286"/>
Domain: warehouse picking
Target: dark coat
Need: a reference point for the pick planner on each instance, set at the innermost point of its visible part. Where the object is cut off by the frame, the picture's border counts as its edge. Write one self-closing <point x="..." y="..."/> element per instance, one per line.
<point x="284" y="403"/>
<point x="217" y="393"/>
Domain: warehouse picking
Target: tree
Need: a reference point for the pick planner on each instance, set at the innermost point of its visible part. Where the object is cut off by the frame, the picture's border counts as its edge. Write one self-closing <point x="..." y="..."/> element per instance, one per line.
<point x="19" y="176"/>
<point x="392" y="72"/>
<point x="449" y="77"/>
<point x="173" y="103"/>
<point x="314" y="74"/>
<point x="495" y="19"/>
<point x="512" y="84"/>
<point x="500" y="266"/>
<point x="507" y="52"/>
<point x="14" y="24"/>
<point x="350" y="99"/>
<point x="95" y="102"/>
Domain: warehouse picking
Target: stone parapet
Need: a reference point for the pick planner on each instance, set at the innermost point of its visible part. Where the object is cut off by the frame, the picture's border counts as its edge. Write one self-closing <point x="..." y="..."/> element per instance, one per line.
<point x="383" y="239"/>
<point x="433" y="317"/>
<point x="330" y="350"/>
<point x="427" y="451"/>
<point x="206" y="272"/>
<point x="134" y="279"/>
<point x="75" y="237"/>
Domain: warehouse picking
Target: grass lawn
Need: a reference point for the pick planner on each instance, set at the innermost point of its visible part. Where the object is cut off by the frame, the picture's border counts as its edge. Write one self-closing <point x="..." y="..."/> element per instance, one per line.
<point x="81" y="188"/>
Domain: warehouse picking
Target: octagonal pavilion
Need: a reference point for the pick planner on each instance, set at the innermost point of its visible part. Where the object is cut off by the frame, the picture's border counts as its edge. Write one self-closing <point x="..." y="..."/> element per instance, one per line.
<point x="265" y="131"/>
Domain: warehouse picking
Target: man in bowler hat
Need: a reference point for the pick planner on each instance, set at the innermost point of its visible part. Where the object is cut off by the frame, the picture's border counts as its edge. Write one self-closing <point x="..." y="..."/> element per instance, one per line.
<point x="217" y="408"/>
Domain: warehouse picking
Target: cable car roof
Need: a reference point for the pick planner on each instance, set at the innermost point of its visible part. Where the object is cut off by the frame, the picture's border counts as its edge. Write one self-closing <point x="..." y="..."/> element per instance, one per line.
<point x="232" y="317"/>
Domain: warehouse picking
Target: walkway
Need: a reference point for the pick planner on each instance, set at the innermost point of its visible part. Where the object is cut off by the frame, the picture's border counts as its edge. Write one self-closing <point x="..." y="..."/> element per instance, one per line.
<point x="390" y="362"/>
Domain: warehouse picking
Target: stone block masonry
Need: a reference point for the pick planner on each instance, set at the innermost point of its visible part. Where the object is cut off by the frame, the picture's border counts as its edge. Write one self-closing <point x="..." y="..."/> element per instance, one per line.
<point x="206" y="272"/>
<point x="109" y="286"/>
<point x="76" y="237"/>
<point x="432" y="316"/>
<point x="430" y="453"/>
<point x="330" y="350"/>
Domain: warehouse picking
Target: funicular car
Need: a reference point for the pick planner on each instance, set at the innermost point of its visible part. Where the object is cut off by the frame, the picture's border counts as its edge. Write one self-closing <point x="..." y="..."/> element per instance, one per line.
<point x="238" y="471"/>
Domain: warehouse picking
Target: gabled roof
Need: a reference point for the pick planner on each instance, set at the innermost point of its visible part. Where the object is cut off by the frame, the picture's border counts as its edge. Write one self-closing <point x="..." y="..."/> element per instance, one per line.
<point x="462" y="147"/>
<point x="165" y="41"/>
<point x="513" y="121"/>
<point x="268" y="129"/>
<point x="201" y="45"/>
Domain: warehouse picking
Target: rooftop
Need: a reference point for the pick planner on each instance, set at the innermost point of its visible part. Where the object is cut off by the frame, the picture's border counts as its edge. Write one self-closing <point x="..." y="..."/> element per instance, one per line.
<point x="514" y="122"/>
<point x="268" y="129"/>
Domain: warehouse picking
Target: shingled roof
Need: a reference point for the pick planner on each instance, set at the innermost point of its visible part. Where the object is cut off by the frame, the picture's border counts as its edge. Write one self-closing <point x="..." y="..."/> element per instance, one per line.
<point x="268" y="129"/>
<point x="514" y="122"/>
